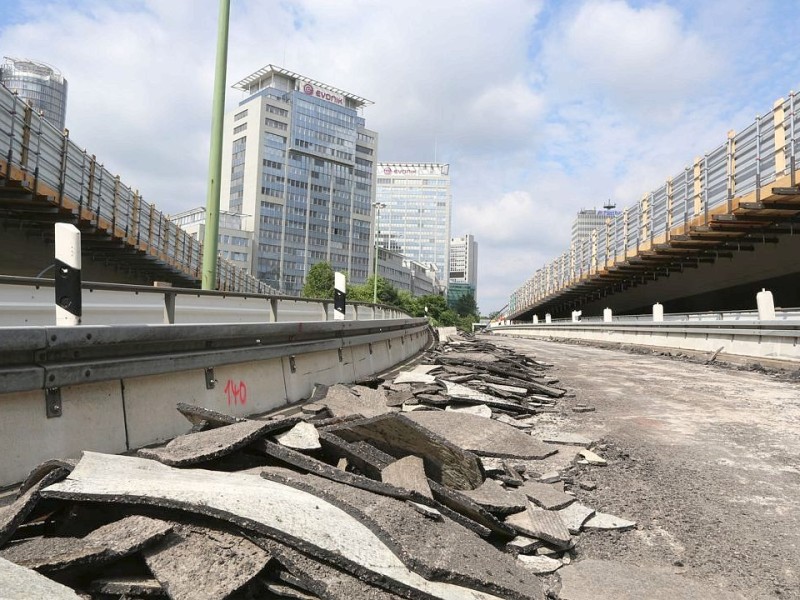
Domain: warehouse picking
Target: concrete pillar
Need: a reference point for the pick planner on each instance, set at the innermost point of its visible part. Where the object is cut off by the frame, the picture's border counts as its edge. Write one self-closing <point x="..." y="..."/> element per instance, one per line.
<point x="548" y="319"/>
<point x="535" y="319"/>
<point x="766" y="305"/>
<point x="658" y="312"/>
<point x="607" y="315"/>
<point x="68" y="274"/>
<point x="339" y="295"/>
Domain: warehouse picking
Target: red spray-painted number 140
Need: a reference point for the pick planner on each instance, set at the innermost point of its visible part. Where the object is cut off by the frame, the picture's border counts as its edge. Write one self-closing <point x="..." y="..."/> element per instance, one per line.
<point x="236" y="393"/>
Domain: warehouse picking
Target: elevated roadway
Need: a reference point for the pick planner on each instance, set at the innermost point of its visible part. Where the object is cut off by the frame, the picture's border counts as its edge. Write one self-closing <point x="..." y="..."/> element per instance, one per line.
<point x="709" y="238"/>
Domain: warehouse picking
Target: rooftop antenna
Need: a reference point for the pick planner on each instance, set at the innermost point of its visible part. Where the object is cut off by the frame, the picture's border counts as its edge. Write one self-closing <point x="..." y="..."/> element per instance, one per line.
<point x="609" y="205"/>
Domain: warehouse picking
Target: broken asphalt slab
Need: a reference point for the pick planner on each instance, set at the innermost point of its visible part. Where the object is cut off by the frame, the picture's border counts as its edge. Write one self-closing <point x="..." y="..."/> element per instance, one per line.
<point x="181" y="562"/>
<point x="194" y="448"/>
<point x="291" y="515"/>
<point x="542" y="524"/>
<point x="484" y="437"/>
<point x="440" y="550"/>
<point x="20" y="583"/>
<point x="343" y="401"/>
<point x="497" y="499"/>
<point x="13" y="515"/>
<point x="104" y="545"/>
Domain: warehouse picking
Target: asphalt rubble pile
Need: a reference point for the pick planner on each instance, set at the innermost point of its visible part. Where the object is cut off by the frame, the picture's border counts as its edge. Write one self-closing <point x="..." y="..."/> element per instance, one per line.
<point x="435" y="483"/>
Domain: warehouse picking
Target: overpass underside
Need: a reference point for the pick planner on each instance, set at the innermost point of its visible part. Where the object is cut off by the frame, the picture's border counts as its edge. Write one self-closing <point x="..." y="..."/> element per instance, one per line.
<point x="46" y="178"/>
<point x="717" y="260"/>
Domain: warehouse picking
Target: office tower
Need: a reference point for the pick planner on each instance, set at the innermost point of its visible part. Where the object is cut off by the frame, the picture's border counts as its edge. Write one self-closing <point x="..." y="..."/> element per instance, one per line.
<point x="416" y="217"/>
<point x="234" y="244"/>
<point x="40" y="84"/>
<point x="299" y="158"/>
<point x="587" y="221"/>
<point x="463" y="268"/>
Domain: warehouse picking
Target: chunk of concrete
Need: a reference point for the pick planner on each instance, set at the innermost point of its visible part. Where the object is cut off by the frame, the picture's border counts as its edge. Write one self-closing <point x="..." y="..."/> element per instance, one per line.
<point x="484" y="437"/>
<point x="463" y="394"/>
<point x="21" y="583"/>
<point x="412" y="377"/>
<point x="496" y="499"/>
<point x="181" y="562"/>
<point x="575" y="515"/>
<point x="541" y="565"/>
<point x="426" y="368"/>
<point x="546" y="496"/>
<point x="128" y="587"/>
<point x="522" y="545"/>
<point x="400" y="436"/>
<point x="198" y="415"/>
<point x="542" y="524"/>
<point x="592" y="579"/>
<point x="302" y="436"/>
<point x="606" y="521"/>
<point x="511" y="389"/>
<point x="469" y="357"/>
<point x="408" y="473"/>
<point x="257" y="504"/>
<point x="479" y="410"/>
<point x="341" y="401"/>
<point x="506" y="420"/>
<point x="568" y="439"/>
<point x="194" y="448"/>
<point x="592" y="458"/>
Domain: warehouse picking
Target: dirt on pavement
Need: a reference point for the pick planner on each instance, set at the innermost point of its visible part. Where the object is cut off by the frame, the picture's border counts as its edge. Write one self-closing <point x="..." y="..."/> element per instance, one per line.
<point x="705" y="459"/>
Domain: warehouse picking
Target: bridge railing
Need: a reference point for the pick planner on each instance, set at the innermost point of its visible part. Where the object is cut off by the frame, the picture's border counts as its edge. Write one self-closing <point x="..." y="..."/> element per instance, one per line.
<point x="758" y="155"/>
<point x="34" y="154"/>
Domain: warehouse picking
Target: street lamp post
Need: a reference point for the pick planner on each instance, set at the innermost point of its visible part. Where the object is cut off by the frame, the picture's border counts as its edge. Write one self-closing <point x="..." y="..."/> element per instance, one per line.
<point x="378" y="206"/>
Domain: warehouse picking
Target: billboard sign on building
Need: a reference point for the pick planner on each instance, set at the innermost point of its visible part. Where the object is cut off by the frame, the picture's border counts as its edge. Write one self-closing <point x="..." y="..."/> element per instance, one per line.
<point x="318" y="92"/>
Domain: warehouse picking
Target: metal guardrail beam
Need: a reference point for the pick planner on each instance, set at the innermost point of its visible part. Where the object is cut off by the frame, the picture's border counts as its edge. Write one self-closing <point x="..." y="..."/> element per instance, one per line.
<point x="52" y="357"/>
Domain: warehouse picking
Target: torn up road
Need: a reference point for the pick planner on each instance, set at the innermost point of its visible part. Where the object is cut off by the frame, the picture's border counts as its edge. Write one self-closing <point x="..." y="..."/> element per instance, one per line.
<point x="452" y="480"/>
<point x="705" y="458"/>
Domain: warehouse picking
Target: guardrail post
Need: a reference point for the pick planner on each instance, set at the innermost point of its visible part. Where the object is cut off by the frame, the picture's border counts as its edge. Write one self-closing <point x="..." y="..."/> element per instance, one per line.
<point x="169" y="302"/>
<point x="68" y="274"/>
<point x="273" y="310"/>
<point x="607" y="315"/>
<point x="658" y="312"/>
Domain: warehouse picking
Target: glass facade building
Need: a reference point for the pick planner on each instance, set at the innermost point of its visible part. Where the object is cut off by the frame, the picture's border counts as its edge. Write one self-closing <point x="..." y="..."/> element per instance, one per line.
<point x="416" y="217"/>
<point x="464" y="262"/>
<point x="40" y="84"/>
<point x="302" y="162"/>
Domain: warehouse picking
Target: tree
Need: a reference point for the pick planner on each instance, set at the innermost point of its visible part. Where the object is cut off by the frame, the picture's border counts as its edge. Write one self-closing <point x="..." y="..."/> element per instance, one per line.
<point x="319" y="283"/>
<point x="466" y="306"/>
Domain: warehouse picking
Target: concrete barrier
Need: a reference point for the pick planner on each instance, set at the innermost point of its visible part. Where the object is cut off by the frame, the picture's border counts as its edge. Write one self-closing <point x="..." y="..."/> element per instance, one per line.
<point x="114" y="389"/>
<point x="775" y="340"/>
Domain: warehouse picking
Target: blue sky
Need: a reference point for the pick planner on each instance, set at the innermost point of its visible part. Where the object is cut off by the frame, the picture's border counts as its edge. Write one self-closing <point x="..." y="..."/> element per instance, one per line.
<point x="540" y="107"/>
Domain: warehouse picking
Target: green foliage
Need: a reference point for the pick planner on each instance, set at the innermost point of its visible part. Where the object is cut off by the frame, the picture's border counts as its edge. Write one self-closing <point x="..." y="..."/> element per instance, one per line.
<point x="466" y="306"/>
<point x="319" y="283"/>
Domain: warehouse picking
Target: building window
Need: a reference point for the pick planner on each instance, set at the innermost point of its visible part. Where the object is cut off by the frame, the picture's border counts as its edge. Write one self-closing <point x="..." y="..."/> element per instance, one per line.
<point x="240" y="115"/>
<point x="239" y="128"/>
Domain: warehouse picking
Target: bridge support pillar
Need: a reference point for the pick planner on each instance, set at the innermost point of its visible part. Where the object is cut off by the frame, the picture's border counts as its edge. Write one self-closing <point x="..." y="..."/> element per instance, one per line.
<point x="658" y="312"/>
<point x="766" y="305"/>
<point x="607" y="315"/>
<point x="535" y="319"/>
<point x="548" y="319"/>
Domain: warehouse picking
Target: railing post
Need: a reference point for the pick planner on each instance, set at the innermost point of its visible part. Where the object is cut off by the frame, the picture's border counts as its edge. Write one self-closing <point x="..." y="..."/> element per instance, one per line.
<point x="116" y="205"/>
<point x="780" y="137"/>
<point x="62" y="175"/>
<point x="668" y="217"/>
<point x="26" y="137"/>
<point x="730" y="153"/>
<point x="698" y="186"/>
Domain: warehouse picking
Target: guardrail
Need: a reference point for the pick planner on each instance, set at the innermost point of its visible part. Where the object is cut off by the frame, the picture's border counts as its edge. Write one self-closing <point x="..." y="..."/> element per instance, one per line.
<point x="30" y="301"/>
<point x="774" y="339"/>
<point x="36" y="157"/>
<point x="114" y="389"/>
<point x="763" y="152"/>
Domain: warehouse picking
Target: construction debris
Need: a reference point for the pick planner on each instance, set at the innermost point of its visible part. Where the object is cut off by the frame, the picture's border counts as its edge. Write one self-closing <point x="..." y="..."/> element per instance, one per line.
<point x="341" y="497"/>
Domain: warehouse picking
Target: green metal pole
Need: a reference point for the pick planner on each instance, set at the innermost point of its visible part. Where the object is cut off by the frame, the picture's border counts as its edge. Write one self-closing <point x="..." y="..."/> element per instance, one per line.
<point x="375" y="279"/>
<point x="211" y="237"/>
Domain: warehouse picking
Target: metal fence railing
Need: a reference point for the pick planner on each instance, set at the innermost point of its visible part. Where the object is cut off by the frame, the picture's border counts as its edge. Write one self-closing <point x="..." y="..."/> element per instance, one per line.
<point x="758" y="155"/>
<point x="53" y="165"/>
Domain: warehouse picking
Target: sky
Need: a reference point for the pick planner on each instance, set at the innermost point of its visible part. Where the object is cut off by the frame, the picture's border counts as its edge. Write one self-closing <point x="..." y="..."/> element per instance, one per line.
<point x="540" y="107"/>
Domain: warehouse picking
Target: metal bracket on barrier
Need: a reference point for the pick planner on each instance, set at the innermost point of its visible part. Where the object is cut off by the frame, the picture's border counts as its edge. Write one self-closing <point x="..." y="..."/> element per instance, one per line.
<point x="341" y="358"/>
<point x="210" y="381"/>
<point x="292" y="364"/>
<point x="52" y="402"/>
<point x="370" y="348"/>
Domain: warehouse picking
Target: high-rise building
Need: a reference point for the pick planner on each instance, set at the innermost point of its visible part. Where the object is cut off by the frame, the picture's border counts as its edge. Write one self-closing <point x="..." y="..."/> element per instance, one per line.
<point x="587" y="220"/>
<point x="416" y="217"/>
<point x="463" y="268"/>
<point x="234" y="244"/>
<point x="299" y="158"/>
<point x="40" y="84"/>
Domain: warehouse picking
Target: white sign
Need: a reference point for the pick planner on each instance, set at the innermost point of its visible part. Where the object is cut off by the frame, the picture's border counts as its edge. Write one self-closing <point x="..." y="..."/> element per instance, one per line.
<point x="318" y="92"/>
